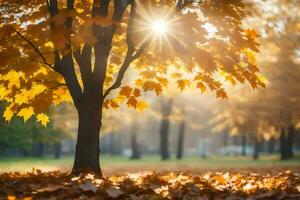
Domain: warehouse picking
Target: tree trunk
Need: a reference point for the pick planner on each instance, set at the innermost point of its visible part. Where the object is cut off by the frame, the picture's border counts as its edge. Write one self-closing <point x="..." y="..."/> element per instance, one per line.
<point x="290" y="141"/>
<point x="256" y="149"/>
<point x="271" y="145"/>
<point x="136" y="154"/>
<point x="203" y="147"/>
<point x="283" y="145"/>
<point x="24" y="152"/>
<point x="57" y="150"/>
<point x="244" y="144"/>
<point x="164" y="139"/>
<point x="87" y="147"/>
<point x="180" y="142"/>
<point x="164" y="130"/>
<point x="38" y="149"/>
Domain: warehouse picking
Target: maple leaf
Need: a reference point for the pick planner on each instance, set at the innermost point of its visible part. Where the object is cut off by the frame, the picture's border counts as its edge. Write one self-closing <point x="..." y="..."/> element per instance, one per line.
<point x="201" y="86"/>
<point x="151" y="85"/>
<point x="43" y="118"/>
<point x="20" y="99"/>
<point x="136" y="92"/>
<point x="221" y="94"/>
<point x="142" y="105"/>
<point x="132" y="102"/>
<point x="26" y="113"/>
<point x="114" y="104"/>
<point x="176" y="75"/>
<point x="3" y="92"/>
<point x="8" y="114"/>
<point x="125" y="91"/>
<point x="251" y="33"/>
<point x="183" y="83"/>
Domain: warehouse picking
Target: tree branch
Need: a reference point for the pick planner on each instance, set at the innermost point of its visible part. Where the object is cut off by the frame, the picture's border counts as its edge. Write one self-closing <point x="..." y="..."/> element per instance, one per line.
<point x="33" y="47"/>
<point x="126" y="63"/>
<point x="130" y="55"/>
<point x="65" y="67"/>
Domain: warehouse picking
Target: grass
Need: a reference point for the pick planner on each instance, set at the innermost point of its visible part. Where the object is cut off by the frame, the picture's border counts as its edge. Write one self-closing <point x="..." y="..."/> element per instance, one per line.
<point x="119" y="164"/>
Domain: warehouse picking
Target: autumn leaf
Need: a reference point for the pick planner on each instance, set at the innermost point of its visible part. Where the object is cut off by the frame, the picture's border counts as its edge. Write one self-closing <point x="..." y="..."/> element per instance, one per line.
<point x="201" y="86"/>
<point x="221" y="94"/>
<point x="43" y="119"/>
<point x="151" y="85"/>
<point x="251" y="33"/>
<point x="8" y="114"/>
<point x="26" y="113"/>
<point x="142" y="105"/>
<point x="132" y="102"/>
<point x="183" y="84"/>
<point x="176" y="75"/>
<point x="114" y="104"/>
<point x="125" y="91"/>
<point x="136" y="92"/>
<point x="152" y="185"/>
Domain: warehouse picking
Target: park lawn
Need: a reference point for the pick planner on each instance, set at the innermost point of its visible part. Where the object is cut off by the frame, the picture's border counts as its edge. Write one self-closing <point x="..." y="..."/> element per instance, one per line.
<point x="121" y="164"/>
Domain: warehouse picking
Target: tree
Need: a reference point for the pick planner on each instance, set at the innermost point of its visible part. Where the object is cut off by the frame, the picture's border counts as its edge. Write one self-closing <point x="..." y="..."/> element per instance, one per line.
<point x="79" y="51"/>
<point x="180" y="141"/>
<point x="136" y="153"/>
<point x="164" y="131"/>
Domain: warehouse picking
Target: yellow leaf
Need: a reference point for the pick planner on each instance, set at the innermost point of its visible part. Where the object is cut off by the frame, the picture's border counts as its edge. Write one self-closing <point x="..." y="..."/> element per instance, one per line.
<point x="8" y="113"/>
<point x="139" y="82"/>
<point x="26" y="113"/>
<point x="142" y="105"/>
<point x="3" y="92"/>
<point x="176" y="75"/>
<point x="43" y="118"/>
<point x="183" y="83"/>
<point x="21" y="99"/>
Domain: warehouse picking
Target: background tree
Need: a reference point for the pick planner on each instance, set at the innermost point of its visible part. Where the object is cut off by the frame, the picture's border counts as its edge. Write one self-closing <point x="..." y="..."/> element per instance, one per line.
<point x="78" y="51"/>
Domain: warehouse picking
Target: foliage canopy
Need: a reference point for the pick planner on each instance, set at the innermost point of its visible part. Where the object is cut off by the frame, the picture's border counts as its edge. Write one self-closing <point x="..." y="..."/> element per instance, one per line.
<point x="58" y="51"/>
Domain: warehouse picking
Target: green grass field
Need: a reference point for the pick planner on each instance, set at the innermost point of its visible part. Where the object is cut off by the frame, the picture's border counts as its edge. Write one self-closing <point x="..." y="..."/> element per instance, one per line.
<point x="118" y="164"/>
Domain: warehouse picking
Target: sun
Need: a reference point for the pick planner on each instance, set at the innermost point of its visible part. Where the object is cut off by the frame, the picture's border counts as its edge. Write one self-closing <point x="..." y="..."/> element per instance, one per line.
<point x="159" y="26"/>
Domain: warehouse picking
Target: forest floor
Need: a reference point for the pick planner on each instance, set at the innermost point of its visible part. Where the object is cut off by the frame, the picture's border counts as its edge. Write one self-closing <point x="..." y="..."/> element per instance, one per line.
<point x="213" y="178"/>
<point x="113" y="165"/>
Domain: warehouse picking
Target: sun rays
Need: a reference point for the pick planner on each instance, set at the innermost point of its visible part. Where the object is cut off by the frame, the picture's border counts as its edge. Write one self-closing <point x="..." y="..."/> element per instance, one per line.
<point x="156" y="26"/>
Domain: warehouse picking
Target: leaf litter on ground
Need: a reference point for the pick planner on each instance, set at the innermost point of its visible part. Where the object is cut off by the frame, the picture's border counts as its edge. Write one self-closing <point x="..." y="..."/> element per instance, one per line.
<point x="151" y="185"/>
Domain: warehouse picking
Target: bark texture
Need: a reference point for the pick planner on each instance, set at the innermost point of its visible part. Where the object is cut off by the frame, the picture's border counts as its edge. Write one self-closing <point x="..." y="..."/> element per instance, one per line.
<point x="87" y="147"/>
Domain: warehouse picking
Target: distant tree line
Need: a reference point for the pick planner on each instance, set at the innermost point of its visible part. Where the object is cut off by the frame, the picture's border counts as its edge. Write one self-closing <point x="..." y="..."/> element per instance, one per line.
<point x="29" y="139"/>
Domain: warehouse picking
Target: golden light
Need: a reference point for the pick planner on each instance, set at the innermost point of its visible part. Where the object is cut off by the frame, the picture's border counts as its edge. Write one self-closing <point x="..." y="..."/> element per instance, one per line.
<point x="156" y="26"/>
<point x="159" y="26"/>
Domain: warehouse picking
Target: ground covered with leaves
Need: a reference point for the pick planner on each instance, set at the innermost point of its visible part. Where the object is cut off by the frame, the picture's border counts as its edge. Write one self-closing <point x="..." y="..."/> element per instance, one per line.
<point x="150" y="185"/>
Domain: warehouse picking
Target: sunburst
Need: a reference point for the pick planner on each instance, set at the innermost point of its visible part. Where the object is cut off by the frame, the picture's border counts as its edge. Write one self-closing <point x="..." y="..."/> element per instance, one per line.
<point x="157" y="26"/>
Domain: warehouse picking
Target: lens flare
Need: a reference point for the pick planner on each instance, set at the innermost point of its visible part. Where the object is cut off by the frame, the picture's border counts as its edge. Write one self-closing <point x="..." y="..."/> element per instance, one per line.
<point x="159" y="26"/>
